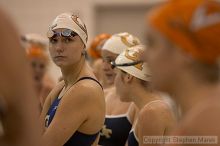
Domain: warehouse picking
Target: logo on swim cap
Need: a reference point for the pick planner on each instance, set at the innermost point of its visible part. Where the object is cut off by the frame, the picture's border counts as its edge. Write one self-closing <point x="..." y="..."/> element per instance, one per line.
<point x="130" y="62"/>
<point x="128" y="39"/>
<point x="76" y="19"/>
<point x="202" y="18"/>
<point x="134" y="55"/>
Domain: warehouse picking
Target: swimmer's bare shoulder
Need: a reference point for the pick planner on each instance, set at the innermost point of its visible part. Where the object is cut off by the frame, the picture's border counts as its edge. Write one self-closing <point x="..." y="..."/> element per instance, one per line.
<point x="203" y="120"/>
<point x="90" y="93"/>
<point x="153" y="112"/>
<point x="158" y="116"/>
<point x="82" y="109"/>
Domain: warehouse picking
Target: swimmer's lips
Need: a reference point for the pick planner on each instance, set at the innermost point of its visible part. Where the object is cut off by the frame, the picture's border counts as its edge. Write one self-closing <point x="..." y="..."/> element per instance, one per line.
<point x="37" y="78"/>
<point x="59" y="57"/>
<point x="108" y="73"/>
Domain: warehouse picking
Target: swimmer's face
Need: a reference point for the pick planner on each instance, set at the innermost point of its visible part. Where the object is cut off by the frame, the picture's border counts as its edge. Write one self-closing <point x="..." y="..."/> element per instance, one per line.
<point x="109" y="73"/>
<point x="101" y="44"/>
<point x="65" y="51"/>
<point x="38" y="66"/>
<point x="97" y="68"/>
<point x="121" y="85"/>
<point x="162" y="60"/>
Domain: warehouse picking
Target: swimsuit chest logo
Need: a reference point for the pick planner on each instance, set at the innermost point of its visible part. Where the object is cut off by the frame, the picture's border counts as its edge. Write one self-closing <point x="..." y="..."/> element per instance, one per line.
<point x="106" y="132"/>
<point x="47" y="120"/>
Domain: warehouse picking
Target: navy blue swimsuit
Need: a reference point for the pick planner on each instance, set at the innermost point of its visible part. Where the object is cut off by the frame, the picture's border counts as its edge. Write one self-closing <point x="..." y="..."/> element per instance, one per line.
<point x="132" y="140"/>
<point x="115" y="131"/>
<point x="78" y="138"/>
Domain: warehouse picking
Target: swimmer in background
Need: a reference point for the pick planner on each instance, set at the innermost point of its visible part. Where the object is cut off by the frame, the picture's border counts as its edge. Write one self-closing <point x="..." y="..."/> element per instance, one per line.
<point x="36" y="46"/>
<point x="119" y="115"/>
<point x="94" y="53"/>
<point x="133" y="84"/>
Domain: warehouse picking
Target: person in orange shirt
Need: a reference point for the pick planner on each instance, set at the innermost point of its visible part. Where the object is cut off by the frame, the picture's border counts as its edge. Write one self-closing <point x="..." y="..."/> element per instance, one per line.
<point x="183" y="54"/>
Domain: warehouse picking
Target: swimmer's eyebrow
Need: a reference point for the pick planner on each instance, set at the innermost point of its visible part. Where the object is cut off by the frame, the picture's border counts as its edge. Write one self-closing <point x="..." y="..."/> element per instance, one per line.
<point x="73" y="34"/>
<point x="108" y="59"/>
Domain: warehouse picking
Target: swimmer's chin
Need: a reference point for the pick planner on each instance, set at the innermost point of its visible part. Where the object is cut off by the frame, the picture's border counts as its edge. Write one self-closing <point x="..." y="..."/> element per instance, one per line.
<point x="59" y="64"/>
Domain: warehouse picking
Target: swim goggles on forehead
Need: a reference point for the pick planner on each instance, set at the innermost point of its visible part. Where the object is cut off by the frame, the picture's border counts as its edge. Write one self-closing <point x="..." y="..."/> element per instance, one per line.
<point x="113" y="64"/>
<point x="63" y="33"/>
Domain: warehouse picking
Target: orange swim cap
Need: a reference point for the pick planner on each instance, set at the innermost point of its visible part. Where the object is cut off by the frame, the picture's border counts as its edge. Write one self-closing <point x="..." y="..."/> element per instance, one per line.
<point x="95" y="51"/>
<point x="36" y="52"/>
<point x="193" y="25"/>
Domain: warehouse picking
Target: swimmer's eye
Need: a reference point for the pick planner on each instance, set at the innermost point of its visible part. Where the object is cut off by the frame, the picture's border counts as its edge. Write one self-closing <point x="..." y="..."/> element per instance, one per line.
<point x="33" y="64"/>
<point x="42" y="66"/>
<point x="68" y="39"/>
<point x="53" y="40"/>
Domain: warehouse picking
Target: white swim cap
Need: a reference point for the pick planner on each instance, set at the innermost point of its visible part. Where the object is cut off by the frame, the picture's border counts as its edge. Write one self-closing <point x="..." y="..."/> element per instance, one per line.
<point x="72" y="22"/>
<point x="131" y="55"/>
<point x="117" y="43"/>
<point x="35" y="38"/>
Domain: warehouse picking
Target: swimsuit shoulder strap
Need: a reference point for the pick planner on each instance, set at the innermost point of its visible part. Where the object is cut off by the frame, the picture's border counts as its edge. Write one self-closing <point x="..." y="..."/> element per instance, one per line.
<point x="89" y="78"/>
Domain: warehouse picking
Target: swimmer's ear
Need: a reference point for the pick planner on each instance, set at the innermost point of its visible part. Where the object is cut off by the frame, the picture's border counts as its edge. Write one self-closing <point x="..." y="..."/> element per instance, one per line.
<point x="128" y="78"/>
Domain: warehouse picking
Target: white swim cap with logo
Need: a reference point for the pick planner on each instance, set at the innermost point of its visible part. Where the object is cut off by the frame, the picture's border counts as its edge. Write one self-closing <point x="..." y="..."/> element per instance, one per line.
<point x="131" y="55"/>
<point x="117" y="43"/>
<point x="72" y="22"/>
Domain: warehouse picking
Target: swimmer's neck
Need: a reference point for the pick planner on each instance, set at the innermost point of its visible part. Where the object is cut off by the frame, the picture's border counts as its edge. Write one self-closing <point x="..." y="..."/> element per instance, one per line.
<point x="71" y="73"/>
<point x="141" y="97"/>
<point x="189" y="94"/>
<point x="38" y="88"/>
<point x="110" y="87"/>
